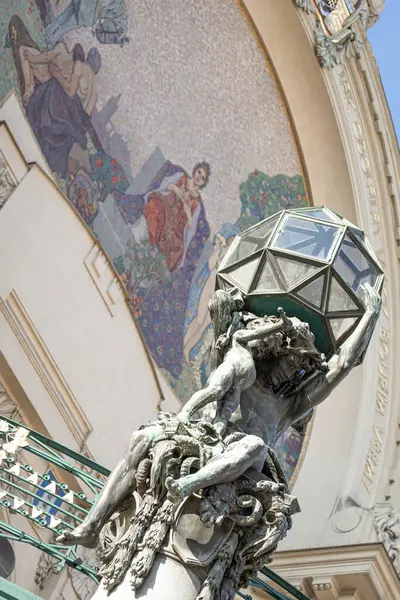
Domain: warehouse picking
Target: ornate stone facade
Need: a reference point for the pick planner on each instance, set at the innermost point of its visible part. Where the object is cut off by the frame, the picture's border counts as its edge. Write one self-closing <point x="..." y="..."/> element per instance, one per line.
<point x="337" y="27"/>
<point x="387" y="526"/>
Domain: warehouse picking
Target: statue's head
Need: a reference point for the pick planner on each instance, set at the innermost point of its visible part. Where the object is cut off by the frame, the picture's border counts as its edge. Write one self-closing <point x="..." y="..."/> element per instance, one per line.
<point x="221" y="306"/>
<point x="286" y="358"/>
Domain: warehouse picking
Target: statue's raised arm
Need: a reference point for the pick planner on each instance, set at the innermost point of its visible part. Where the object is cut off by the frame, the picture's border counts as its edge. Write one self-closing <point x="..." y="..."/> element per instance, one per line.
<point x="319" y="387"/>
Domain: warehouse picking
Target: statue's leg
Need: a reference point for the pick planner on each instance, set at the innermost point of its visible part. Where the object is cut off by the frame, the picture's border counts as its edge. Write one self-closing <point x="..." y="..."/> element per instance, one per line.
<point x="120" y="483"/>
<point x="226" y="467"/>
<point x="225" y="409"/>
<point x="218" y="385"/>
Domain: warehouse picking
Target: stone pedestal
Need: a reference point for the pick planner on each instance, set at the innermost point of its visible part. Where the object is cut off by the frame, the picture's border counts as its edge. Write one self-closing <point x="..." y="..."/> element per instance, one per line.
<point x="168" y="580"/>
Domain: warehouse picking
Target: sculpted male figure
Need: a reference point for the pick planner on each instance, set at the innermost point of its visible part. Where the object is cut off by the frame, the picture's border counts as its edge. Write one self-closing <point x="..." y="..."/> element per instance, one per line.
<point x="268" y="374"/>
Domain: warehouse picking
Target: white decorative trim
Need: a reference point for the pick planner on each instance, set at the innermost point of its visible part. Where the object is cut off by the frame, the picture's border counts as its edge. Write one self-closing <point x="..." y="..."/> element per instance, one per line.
<point x="45" y="366"/>
<point x="107" y="284"/>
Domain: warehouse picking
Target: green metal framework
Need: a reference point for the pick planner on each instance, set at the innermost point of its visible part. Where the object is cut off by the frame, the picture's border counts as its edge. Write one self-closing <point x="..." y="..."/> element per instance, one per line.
<point x="47" y="503"/>
<point x="11" y="591"/>
<point x="51" y="504"/>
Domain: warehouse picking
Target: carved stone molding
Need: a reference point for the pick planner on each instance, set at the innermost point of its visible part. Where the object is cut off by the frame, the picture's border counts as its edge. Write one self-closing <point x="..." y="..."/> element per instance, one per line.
<point x="104" y="278"/>
<point x="306" y="5"/>
<point x="336" y="32"/>
<point x="8" y="408"/>
<point x="8" y="183"/>
<point x="45" y="366"/>
<point x="387" y="526"/>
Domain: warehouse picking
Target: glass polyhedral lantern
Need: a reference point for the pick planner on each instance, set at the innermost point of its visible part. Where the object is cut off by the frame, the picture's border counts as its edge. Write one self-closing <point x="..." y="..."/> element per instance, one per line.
<point x="312" y="263"/>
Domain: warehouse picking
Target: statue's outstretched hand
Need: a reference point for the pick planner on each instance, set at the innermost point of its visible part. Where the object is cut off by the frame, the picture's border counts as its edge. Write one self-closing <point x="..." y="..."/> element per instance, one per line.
<point x="372" y="301"/>
<point x="286" y="322"/>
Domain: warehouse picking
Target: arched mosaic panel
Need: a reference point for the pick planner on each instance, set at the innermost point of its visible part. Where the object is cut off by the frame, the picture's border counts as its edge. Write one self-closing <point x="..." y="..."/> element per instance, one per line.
<point x="166" y="130"/>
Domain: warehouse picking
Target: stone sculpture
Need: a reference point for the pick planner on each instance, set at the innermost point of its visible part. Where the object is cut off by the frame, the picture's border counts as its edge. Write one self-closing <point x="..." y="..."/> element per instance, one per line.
<point x="387" y="527"/>
<point x="203" y="489"/>
<point x="341" y="19"/>
<point x="214" y="459"/>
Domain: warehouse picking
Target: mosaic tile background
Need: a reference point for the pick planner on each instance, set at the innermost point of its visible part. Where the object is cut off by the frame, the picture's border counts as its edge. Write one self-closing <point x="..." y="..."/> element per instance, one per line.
<point x="124" y="105"/>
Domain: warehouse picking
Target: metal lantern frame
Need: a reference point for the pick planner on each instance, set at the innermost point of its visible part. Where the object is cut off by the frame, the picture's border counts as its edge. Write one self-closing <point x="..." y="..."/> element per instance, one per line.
<point x="264" y="237"/>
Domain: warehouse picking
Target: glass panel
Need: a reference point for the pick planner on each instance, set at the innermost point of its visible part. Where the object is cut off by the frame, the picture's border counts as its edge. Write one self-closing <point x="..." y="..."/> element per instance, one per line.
<point x="354" y="267"/>
<point x="223" y="284"/>
<point x="261" y="234"/>
<point x="242" y="249"/>
<point x="243" y="275"/>
<point x="313" y="291"/>
<point x="267" y="281"/>
<point x="307" y="237"/>
<point x="340" y="326"/>
<point x="295" y="271"/>
<point x="339" y="300"/>
<point x="320" y="213"/>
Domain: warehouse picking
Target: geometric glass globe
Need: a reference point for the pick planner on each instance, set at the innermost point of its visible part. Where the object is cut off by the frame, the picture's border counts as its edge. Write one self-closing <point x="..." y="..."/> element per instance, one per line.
<point x="312" y="263"/>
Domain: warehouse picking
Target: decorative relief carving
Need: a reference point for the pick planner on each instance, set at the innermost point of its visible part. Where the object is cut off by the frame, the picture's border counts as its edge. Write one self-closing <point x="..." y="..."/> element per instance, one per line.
<point x="387" y="527"/>
<point x="8" y="408"/>
<point x="7" y="181"/>
<point x="45" y="366"/>
<point x="336" y="37"/>
<point x="47" y="566"/>
<point x="84" y="587"/>
<point x="306" y="5"/>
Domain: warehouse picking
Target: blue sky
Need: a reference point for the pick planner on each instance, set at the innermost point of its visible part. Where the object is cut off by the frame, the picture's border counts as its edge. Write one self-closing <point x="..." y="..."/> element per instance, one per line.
<point x="385" y="39"/>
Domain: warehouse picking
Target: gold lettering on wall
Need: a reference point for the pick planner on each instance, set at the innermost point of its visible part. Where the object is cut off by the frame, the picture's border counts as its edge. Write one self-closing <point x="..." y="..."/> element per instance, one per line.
<point x="383" y="372"/>
<point x="372" y="460"/>
<point x="373" y="192"/>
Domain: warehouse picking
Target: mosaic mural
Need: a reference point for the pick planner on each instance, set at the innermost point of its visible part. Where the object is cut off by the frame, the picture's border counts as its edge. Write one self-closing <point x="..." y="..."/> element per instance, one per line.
<point x="165" y="129"/>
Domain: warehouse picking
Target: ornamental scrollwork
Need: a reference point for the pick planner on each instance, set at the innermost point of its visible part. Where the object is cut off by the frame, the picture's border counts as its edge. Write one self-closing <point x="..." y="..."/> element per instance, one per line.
<point x="336" y="34"/>
<point x="387" y="527"/>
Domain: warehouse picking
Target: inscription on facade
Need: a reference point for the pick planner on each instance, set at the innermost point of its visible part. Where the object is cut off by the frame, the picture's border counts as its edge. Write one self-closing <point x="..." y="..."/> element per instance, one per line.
<point x="372" y="460"/>
<point x="382" y="394"/>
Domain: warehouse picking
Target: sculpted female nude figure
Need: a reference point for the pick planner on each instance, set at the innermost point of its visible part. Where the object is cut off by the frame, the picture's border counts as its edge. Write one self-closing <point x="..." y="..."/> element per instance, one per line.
<point x="273" y="359"/>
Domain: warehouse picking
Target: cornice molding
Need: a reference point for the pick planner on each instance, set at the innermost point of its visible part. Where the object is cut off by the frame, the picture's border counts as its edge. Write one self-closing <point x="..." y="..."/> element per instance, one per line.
<point x="363" y="570"/>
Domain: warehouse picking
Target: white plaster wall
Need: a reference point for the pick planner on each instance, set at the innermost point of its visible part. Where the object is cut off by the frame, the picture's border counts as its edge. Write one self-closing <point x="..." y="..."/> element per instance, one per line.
<point x="43" y="246"/>
<point x="324" y="469"/>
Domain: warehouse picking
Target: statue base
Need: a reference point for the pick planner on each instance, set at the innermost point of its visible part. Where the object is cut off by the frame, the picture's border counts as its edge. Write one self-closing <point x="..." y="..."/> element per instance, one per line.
<point x="168" y="579"/>
<point x="217" y="537"/>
